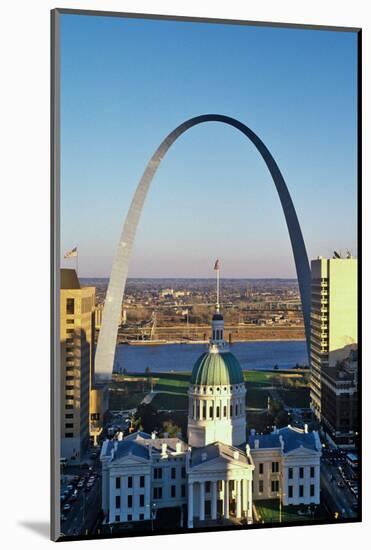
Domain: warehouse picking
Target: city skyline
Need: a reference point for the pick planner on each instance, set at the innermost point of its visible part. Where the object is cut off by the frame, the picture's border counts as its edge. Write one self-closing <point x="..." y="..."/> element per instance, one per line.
<point x="104" y="148"/>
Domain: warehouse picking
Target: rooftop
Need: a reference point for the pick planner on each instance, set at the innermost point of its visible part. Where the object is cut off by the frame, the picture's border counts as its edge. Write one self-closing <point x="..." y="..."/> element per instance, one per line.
<point x="292" y="438"/>
<point x="202" y="455"/>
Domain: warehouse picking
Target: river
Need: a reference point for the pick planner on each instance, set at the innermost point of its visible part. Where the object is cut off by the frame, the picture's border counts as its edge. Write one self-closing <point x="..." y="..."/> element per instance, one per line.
<point x="181" y="357"/>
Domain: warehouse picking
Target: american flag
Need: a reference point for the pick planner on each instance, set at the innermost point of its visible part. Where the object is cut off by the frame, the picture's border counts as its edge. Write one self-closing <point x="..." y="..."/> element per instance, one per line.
<point x="71" y="253"/>
<point x="216" y="266"/>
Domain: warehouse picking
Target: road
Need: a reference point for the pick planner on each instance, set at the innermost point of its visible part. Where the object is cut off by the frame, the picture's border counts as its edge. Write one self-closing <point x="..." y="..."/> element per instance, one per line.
<point x="338" y="499"/>
<point x="85" y="510"/>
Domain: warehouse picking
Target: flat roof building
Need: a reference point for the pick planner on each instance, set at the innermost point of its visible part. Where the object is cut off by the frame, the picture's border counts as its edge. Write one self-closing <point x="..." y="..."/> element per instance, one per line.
<point x="77" y="307"/>
<point x="334" y="330"/>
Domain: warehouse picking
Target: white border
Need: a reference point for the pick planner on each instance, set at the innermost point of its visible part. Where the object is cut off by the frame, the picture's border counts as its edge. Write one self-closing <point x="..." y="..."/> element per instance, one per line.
<point x="24" y="286"/>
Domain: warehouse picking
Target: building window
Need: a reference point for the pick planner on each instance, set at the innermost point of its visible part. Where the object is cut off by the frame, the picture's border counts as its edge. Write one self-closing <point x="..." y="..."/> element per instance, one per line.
<point x="130" y="482"/>
<point x="70" y="321"/>
<point x="312" y="471"/>
<point x="69" y="377"/>
<point x="117" y="518"/>
<point x="118" y="502"/>
<point x="275" y="486"/>
<point x="141" y="481"/>
<point x="301" y="490"/>
<point x="69" y="426"/>
<point x="217" y="412"/>
<point x="301" y="473"/>
<point x="118" y="482"/>
<point x="173" y="473"/>
<point x="173" y="491"/>
<point x="130" y="517"/>
<point x="141" y="516"/>
<point x="312" y="490"/>
<point x="70" y="306"/>
<point x="70" y="387"/>
<point x="261" y="468"/>
<point x="290" y="491"/>
<point x="231" y="411"/>
<point x="157" y="492"/>
<point x="236" y="410"/>
<point x="211" y="411"/>
<point x="291" y="473"/>
<point x="157" y="474"/>
<point x="275" y="467"/>
<point x="69" y="407"/>
<point x="207" y="486"/>
<point x="141" y="501"/>
<point x="130" y="501"/>
<point x="183" y="490"/>
<point x="69" y="415"/>
<point x="69" y="434"/>
<point x="225" y="411"/>
<point x="261" y="485"/>
<point x="183" y="472"/>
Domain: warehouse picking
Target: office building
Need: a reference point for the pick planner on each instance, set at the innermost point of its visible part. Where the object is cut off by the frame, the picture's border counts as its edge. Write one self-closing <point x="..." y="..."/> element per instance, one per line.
<point x="77" y="323"/>
<point x="333" y="318"/>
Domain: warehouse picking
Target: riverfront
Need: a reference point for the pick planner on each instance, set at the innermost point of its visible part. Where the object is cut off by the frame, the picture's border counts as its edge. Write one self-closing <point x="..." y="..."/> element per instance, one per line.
<point x="264" y="355"/>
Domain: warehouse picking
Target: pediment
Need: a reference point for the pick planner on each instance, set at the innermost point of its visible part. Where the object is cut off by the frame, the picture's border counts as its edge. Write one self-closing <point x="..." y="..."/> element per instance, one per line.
<point x="220" y="463"/>
<point x="130" y="460"/>
<point x="302" y="451"/>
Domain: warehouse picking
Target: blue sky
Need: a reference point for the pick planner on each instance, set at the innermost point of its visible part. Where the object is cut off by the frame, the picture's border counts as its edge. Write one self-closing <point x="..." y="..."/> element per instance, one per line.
<point x="125" y="84"/>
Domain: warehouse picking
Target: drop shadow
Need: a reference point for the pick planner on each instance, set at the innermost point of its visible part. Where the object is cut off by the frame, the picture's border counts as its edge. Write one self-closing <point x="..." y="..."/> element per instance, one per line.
<point x="41" y="528"/>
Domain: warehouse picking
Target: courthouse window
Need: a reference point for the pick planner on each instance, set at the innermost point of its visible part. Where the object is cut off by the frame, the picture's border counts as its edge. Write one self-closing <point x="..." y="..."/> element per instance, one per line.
<point x="70" y="306"/>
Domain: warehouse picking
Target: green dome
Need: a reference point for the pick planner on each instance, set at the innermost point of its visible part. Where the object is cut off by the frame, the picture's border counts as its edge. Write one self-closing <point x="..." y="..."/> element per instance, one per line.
<point x="214" y="369"/>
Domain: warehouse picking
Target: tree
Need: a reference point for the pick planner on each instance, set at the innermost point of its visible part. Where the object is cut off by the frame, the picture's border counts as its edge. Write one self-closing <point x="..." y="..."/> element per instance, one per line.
<point x="169" y="427"/>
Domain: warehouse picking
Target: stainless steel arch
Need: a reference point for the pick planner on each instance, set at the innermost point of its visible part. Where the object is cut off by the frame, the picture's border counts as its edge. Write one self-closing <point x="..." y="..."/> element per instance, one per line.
<point x="105" y="352"/>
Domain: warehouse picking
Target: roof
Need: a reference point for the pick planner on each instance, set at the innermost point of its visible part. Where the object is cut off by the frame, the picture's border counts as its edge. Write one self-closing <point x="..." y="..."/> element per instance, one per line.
<point x="202" y="455"/>
<point x="69" y="279"/>
<point x="212" y="369"/>
<point x="139" y="444"/>
<point x="125" y="448"/>
<point x="292" y="438"/>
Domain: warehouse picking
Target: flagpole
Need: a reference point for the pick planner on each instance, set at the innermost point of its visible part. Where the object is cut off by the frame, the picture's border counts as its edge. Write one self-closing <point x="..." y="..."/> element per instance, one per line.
<point x="77" y="261"/>
<point x="217" y="289"/>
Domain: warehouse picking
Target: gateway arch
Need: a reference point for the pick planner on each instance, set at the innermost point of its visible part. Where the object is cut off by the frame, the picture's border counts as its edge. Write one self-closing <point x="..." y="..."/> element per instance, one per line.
<point x="105" y="352"/>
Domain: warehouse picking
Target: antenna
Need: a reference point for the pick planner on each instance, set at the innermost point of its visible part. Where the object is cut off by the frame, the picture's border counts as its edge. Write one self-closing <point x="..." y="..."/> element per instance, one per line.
<point x="217" y="269"/>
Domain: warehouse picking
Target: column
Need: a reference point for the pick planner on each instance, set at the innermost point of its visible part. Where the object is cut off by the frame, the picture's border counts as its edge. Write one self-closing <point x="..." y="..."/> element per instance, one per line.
<point x="213" y="499"/>
<point x="190" y="505"/>
<point x="201" y="408"/>
<point x="249" y="500"/>
<point x="226" y="499"/>
<point x="147" y="496"/>
<point x="238" y="498"/>
<point x="202" y="500"/>
<point x="244" y="496"/>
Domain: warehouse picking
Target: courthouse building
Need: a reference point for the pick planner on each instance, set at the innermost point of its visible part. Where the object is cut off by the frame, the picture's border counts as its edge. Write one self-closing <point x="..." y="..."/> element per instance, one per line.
<point x="216" y="475"/>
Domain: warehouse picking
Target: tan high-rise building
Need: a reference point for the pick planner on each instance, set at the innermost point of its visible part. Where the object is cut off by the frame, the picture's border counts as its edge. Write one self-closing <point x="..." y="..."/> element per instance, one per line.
<point x="334" y="330"/>
<point x="77" y="307"/>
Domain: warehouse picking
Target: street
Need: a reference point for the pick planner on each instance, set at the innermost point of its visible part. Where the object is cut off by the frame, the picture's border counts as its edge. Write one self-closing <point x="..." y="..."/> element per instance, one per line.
<point x="336" y="492"/>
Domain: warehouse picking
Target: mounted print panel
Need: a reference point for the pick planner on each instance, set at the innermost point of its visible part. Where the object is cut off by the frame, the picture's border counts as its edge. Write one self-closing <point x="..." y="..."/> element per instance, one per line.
<point x="206" y="360"/>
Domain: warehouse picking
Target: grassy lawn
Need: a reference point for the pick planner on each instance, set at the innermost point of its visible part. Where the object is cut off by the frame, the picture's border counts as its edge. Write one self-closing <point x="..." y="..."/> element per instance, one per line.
<point x="118" y="400"/>
<point x="128" y="390"/>
<point x="298" y="397"/>
<point x="169" y="401"/>
<point x="268" y="511"/>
